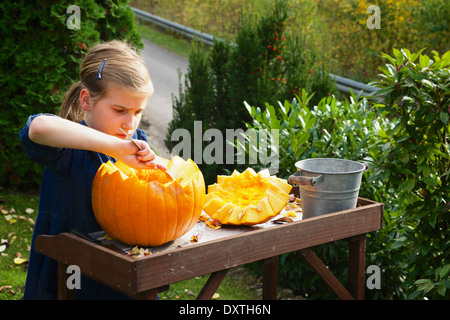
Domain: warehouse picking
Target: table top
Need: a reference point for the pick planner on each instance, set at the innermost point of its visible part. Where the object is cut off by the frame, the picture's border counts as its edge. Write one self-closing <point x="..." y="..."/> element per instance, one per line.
<point x="216" y="250"/>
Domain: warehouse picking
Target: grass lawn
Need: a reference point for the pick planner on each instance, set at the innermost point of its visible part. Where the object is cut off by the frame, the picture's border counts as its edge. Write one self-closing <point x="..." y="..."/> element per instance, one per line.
<point x="175" y="44"/>
<point x="17" y="217"/>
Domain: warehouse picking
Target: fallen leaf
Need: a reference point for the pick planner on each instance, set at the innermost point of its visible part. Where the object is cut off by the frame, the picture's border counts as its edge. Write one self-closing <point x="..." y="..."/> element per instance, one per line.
<point x="283" y="220"/>
<point x="196" y="237"/>
<point x="292" y="207"/>
<point x="216" y="296"/>
<point x="137" y="252"/>
<point x="29" y="210"/>
<point x="19" y="260"/>
<point x="12" y="239"/>
<point x="10" y="219"/>
<point x="3" y="247"/>
<point x="107" y="237"/>
<point x="214" y="224"/>
<point x="7" y="289"/>
<point x="189" y="293"/>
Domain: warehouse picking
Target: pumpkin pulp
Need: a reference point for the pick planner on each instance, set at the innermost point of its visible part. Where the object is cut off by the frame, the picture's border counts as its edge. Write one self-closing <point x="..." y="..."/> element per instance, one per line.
<point x="241" y="190"/>
<point x="246" y="198"/>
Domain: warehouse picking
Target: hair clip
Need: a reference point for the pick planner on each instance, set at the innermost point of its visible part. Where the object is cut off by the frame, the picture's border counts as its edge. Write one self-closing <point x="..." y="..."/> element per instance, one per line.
<point x="100" y="72"/>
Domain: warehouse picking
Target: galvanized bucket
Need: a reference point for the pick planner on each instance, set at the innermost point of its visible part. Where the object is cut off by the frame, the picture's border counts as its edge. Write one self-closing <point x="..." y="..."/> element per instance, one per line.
<point x="327" y="185"/>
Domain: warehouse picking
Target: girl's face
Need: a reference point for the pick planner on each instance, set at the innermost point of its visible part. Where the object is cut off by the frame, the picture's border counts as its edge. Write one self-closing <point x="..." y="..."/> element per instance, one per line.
<point x="119" y="108"/>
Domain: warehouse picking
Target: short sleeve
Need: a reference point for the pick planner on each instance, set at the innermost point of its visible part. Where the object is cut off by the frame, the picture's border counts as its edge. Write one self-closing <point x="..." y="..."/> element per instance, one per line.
<point x="140" y="135"/>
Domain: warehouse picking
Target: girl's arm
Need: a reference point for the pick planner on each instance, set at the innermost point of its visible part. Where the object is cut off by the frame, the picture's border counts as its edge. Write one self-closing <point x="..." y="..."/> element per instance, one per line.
<point x="61" y="133"/>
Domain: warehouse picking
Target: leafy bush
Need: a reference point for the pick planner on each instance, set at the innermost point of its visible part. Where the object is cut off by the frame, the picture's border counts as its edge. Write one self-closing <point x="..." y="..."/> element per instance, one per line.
<point x="413" y="160"/>
<point x="39" y="58"/>
<point x="404" y="137"/>
<point x="332" y="128"/>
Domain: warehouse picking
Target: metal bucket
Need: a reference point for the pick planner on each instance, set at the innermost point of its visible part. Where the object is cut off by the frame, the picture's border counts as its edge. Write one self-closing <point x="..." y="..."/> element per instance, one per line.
<point x="327" y="185"/>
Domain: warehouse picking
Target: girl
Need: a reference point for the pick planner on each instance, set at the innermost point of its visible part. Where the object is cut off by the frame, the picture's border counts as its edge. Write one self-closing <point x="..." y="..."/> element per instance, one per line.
<point x="113" y="92"/>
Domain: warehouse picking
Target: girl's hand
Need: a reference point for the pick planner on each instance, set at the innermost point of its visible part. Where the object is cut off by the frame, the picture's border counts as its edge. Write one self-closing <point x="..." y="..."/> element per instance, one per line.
<point x="140" y="159"/>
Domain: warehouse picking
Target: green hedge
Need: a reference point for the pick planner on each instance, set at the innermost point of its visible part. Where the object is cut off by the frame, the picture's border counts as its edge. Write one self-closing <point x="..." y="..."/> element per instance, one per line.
<point x="404" y="136"/>
<point x="39" y="59"/>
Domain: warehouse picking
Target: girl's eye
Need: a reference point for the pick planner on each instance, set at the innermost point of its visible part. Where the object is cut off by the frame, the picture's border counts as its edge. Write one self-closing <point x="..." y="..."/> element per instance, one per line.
<point x="119" y="110"/>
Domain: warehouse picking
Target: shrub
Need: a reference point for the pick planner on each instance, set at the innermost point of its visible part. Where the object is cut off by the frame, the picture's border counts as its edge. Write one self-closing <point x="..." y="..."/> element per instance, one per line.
<point x="413" y="160"/>
<point x="39" y="58"/>
<point x="404" y="136"/>
<point x="267" y="62"/>
<point x="332" y="128"/>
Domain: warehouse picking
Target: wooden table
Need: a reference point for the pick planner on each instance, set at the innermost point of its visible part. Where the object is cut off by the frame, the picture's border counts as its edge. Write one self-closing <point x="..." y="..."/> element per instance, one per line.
<point x="218" y="251"/>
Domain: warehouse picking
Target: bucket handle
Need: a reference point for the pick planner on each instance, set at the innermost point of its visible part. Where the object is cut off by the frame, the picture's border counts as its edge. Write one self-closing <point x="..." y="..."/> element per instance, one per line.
<point x="298" y="178"/>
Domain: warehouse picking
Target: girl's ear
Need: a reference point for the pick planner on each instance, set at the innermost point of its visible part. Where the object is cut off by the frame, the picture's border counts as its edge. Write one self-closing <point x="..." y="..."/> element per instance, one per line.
<point x="85" y="99"/>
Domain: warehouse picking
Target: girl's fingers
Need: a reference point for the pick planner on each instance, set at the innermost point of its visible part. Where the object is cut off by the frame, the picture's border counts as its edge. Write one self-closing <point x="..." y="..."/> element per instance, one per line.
<point x="155" y="163"/>
<point x="146" y="157"/>
<point x="161" y="166"/>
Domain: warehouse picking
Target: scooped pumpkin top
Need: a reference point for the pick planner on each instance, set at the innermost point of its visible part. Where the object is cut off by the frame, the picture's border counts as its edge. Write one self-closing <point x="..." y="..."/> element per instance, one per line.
<point x="243" y="189"/>
<point x="144" y="175"/>
<point x="149" y="175"/>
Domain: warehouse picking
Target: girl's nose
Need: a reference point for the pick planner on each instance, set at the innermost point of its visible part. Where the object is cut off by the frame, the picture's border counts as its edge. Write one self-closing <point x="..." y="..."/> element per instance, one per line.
<point x="128" y="123"/>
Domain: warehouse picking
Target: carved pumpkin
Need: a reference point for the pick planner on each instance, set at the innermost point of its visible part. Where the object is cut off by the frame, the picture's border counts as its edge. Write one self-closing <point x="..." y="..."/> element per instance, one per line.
<point x="246" y="198"/>
<point x="148" y="207"/>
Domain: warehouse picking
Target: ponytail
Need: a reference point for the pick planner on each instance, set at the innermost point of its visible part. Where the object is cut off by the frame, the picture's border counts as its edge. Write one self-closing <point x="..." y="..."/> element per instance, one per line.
<point x="71" y="108"/>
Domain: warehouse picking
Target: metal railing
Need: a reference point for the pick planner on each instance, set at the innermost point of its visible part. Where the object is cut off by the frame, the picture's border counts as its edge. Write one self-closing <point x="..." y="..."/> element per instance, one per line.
<point x="344" y="85"/>
<point x="175" y="27"/>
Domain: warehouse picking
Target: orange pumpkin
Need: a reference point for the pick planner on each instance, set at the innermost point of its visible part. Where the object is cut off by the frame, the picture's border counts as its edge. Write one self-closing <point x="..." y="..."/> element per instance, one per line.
<point x="246" y="198"/>
<point x="148" y="207"/>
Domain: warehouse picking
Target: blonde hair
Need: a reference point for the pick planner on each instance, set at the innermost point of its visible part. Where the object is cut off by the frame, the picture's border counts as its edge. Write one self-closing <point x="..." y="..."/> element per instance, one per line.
<point x="123" y="67"/>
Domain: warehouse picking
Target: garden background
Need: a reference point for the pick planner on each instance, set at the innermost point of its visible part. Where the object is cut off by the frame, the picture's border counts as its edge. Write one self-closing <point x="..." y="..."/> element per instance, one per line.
<point x="277" y="77"/>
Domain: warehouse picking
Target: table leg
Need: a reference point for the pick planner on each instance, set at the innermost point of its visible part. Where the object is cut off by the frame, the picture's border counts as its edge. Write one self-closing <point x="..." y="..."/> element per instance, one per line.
<point x="214" y="281"/>
<point x="322" y="270"/>
<point x="356" y="266"/>
<point x="147" y="295"/>
<point x="270" y="278"/>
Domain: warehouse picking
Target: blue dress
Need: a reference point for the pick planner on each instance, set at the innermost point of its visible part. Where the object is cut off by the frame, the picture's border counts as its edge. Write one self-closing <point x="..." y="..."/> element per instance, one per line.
<point x="65" y="204"/>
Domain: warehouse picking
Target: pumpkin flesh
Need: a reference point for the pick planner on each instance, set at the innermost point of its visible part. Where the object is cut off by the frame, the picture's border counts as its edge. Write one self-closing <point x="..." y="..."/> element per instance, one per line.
<point x="246" y="198"/>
